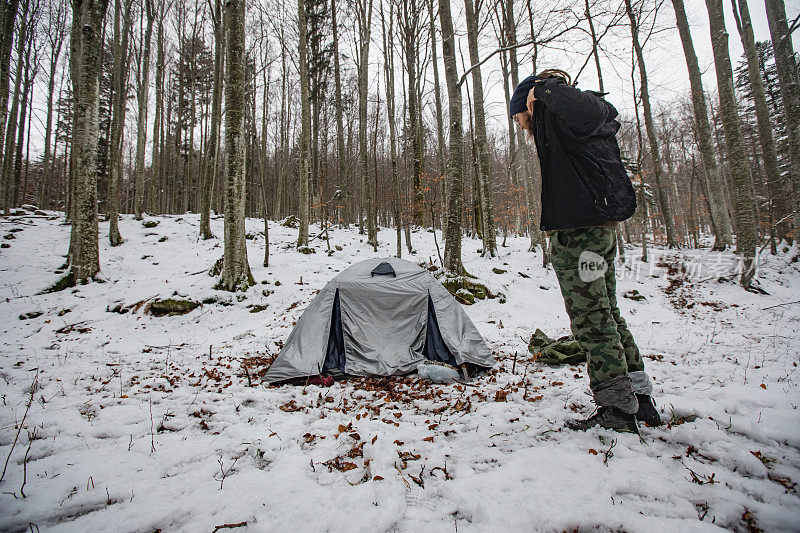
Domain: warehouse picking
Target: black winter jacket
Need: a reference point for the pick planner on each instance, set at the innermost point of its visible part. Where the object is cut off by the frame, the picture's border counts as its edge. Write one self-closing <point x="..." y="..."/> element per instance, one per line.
<point x="584" y="182"/>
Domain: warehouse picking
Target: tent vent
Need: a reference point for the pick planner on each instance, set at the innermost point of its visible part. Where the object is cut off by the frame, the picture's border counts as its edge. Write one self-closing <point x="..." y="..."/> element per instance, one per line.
<point x="384" y="269"/>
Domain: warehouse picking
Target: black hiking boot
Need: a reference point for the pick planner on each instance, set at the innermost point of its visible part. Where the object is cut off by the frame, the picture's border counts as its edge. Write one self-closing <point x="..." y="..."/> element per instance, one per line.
<point x="647" y="411"/>
<point x="609" y="418"/>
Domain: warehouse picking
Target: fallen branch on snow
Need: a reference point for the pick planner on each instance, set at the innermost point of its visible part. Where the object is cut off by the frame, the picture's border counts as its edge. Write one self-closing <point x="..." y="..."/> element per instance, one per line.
<point x="229" y="526"/>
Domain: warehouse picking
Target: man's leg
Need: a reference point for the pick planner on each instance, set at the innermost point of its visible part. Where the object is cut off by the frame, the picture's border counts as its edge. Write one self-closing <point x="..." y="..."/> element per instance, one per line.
<point x="635" y="363"/>
<point x="578" y="257"/>
<point x="640" y="381"/>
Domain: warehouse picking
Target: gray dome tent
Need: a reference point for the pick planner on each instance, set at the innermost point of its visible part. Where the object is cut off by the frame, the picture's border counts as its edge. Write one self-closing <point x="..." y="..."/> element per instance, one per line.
<point x="379" y="317"/>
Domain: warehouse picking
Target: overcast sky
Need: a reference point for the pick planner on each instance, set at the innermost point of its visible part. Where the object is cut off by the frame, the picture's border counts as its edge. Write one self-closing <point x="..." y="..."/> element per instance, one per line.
<point x="666" y="65"/>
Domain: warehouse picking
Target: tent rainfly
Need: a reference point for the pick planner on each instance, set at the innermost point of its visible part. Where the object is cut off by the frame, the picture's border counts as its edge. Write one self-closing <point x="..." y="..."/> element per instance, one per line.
<point x="379" y="317"/>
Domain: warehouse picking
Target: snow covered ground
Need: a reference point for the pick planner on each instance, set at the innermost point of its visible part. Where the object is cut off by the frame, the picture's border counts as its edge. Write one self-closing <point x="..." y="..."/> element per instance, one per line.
<point x="143" y="423"/>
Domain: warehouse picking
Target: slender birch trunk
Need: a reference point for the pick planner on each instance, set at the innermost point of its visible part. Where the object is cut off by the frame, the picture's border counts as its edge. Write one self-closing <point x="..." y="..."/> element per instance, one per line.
<point x="119" y="85"/>
<point x="10" y="148"/>
<point x="655" y="153"/>
<point x="455" y="185"/>
<point x="388" y="68"/>
<point x="8" y="15"/>
<point x="790" y="93"/>
<point x="141" y="125"/>
<point x="305" y="131"/>
<point x="741" y="14"/>
<point x="737" y="155"/>
<point x="155" y="172"/>
<point x="212" y="151"/>
<point x="364" y="15"/>
<point x="235" y="268"/>
<point x="716" y="191"/>
<point x="489" y="237"/>
<point x="344" y="196"/>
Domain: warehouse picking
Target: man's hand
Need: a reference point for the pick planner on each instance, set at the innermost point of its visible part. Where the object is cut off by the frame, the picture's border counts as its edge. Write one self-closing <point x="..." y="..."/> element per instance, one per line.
<point x="531" y="100"/>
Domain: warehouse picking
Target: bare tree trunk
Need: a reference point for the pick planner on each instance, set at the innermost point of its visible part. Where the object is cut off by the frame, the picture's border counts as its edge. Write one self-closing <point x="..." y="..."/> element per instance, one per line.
<point x="437" y="98"/>
<point x="55" y="35"/>
<point x="141" y="125"/>
<point x="790" y="93"/>
<point x="190" y="196"/>
<point x="281" y="163"/>
<point x="409" y="28"/>
<point x="155" y="172"/>
<point x="364" y="15"/>
<point x="388" y="64"/>
<point x="235" y="268"/>
<point x="28" y="75"/>
<point x="88" y="16"/>
<point x="119" y="88"/>
<point x="212" y="152"/>
<point x="716" y="191"/>
<point x="344" y="196"/>
<point x="24" y="188"/>
<point x="655" y="154"/>
<point x="7" y="176"/>
<point x="521" y="168"/>
<point x="511" y="169"/>
<point x="305" y="131"/>
<point x="737" y="155"/>
<point x="489" y="237"/>
<point x="643" y="207"/>
<point x="267" y="78"/>
<point x="741" y="14"/>
<point x="8" y="15"/>
<point x="452" y="247"/>
<point x="527" y="168"/>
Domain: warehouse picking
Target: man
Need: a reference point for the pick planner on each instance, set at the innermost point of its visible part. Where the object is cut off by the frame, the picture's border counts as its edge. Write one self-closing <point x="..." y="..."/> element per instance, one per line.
<point x="585" y="192"/>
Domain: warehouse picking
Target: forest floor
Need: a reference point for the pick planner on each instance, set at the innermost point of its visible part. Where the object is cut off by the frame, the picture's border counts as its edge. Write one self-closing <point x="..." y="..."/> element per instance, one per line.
<point x="135" y="422"/>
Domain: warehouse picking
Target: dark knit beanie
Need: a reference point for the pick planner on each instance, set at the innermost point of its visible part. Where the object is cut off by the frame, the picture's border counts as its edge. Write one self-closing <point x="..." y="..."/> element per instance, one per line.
<point x="519" y="100"/>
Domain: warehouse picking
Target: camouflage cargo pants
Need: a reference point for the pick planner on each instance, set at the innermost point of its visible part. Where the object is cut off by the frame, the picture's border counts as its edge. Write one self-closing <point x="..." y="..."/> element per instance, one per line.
<point x="583" y="259"/>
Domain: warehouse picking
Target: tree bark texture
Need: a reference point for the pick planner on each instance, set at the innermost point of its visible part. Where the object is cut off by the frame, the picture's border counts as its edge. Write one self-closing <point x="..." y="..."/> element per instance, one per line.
<point x="305" y="127"/>
<point x="489" y="238"/>
<point x="235" y="268"/>
<point x="763" y="121"/>
<point x="141" y="123"/>
<point x="718" y="208"/>
<point x="655" y="153"/>
<point x="212" y="151"/>
<point x="364" y="15"/>
<point x="88" y="15"/>
<point x="119" y="88"/>
<point x="734" y="142"/>
<point x="8" y="15"/>
<point x="790" y="93"/>
<point x="455" y="170"/>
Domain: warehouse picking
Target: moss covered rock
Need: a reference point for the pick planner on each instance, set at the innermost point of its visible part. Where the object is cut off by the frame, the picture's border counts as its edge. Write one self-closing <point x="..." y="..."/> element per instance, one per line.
<point x="172" y="306"/>
<point x="290" y="222"/>
<point x="464" y="296"/>
<point x="460" y="284"/>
